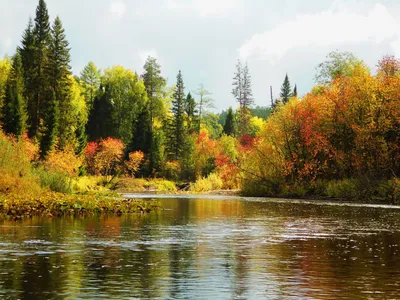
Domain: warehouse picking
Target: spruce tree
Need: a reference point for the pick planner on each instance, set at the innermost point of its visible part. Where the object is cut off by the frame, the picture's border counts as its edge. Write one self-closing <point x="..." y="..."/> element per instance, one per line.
<point x="230" y="123"/>
<point x="58" y="71"/>
<point x="286" y="90"/>
<point x="14" y="110"/>
<point x="41" y="33"/>
<point x="177" y="124"/>
<point x="295" y="91"/>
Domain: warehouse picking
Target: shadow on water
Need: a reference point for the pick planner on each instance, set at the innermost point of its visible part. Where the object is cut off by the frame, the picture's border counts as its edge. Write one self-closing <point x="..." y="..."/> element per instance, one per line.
<point x="202" y="248"/>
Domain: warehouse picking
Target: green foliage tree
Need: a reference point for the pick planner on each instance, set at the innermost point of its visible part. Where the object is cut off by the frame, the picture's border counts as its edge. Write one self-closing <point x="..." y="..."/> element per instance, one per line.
<point x="101" y="123"/>
<point x="5" y="67"/>
<point x="337" y="64"/>
<point x="286" y="90"/>
<point x="177" y="124"/>
<point x="212" y="125"/>
<point x="230" y="123"/>
<point x="90" y="81"/>
<point x="14" y="110"/>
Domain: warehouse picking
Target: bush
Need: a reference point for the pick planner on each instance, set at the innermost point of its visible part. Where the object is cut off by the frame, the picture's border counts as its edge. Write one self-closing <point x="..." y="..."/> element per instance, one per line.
<point x="343" y="189"/>
<point x="211" y="183"/>
<point x="53" y="180"/>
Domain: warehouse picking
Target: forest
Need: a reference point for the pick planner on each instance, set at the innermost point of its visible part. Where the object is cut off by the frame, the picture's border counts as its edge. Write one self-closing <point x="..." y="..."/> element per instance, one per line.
<point x="60" y="130"/>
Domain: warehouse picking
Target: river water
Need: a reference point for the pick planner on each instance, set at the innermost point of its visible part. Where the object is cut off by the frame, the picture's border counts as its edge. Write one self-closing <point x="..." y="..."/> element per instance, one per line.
<point x="207" y="248"/>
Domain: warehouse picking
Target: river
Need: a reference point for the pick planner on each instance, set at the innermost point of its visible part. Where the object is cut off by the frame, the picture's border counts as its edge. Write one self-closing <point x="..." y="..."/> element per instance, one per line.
<point x="207" y="248"/>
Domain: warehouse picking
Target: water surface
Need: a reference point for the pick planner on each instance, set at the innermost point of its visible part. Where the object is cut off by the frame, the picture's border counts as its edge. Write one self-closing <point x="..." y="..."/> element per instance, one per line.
<point x="207" y="248"/>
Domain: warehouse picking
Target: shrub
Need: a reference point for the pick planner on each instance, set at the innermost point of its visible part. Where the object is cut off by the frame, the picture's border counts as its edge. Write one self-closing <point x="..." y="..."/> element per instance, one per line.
<point x="342" y="189"/>
<point x="211" y="183"/>
<point x="53" y="180"/>
<point x="132" y="165"/>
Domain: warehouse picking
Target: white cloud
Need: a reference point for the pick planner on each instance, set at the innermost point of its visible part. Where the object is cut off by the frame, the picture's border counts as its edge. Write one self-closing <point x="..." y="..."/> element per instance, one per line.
<point x="331" y="27"/>
<point x="117" y="8"/>
<point x="215" y="7"/>
<point x="7" y="42"/>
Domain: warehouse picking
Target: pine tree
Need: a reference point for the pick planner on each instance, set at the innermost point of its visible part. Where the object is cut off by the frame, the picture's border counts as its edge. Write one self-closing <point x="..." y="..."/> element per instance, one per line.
<point x="177" y="125"/>
<point x="191" y="113"/>
<point x="230" y="123"/>
<point x="49" y="137"/>
<point x="243" y="94"/>
<point x="41" y="33"/>
<point x="295" y="91"/>
<point x="14" y="110"/>
<point x="58" y="71"/>
<point x="286" y="90"/>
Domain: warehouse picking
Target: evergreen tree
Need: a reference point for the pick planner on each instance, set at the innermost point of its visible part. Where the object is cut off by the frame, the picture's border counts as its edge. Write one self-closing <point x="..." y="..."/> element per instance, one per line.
<point x="177" y="125"/>
<point x="243" y="94"/>
<point x="295" y="91"/>
<point x="101" y="123"/>
<point x="90" y="80"/>
<point x="49" y="137"/>
<point x="141" y="136"/>
<point x="286" y="90"/>
<point x="230" y="123"/>
<point x="58" y="71"/>
<point x="41" y="33"/>
<point x="27" y="51"/>
<point x="191" y="113"/>
<point x="14" y="110"/>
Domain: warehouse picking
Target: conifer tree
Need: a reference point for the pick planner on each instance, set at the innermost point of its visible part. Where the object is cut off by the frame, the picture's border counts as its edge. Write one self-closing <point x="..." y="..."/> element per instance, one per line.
<point x="286" y="90"/>
<point x="58" y="71"/>
<point x="230" y="123"/>
<point x="295" y="91"/>
<point x="27" y="52"/>
<point x="41" y="33"/>
<point x="14" y="110"/>
<point x="90" y="80"/>
<point x="191" y="113"/>
<point x="177" y="125"/>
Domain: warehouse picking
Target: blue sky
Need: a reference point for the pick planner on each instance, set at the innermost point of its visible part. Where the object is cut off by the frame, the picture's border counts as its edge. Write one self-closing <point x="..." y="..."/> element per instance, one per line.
<point x="204" y="38"/>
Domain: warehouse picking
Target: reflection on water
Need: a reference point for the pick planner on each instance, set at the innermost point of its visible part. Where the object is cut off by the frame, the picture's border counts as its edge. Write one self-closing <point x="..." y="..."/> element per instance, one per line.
<point x="207" y="249"/>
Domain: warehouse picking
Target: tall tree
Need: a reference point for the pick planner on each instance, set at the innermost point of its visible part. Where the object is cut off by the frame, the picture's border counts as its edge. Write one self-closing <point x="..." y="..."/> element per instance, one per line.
<point x="155" y="85"/>
<point x="41" y="33"/>
<point x="90" y="80"/>
<point x="205" y="103"/>
<point x="177" y="125"/>
<point x="286" y="90"/>
<point x="295" y="91"/>
<point x="58" y="70"/>
<point x="14" y="110"/>
<point x="191" y="113"/>
<point x="243" y="94"/>
<point x="27" y="51"/>
<point x="50" y="127"/>
<point x="5" y="67"/>
<point x="230" y="123"/>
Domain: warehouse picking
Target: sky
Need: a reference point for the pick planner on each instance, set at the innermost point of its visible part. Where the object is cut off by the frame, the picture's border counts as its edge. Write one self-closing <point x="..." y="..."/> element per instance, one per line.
<point x="205" y="38"/>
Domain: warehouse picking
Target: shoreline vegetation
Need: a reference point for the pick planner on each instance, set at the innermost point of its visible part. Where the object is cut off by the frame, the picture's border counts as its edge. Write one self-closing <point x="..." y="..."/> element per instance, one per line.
<point x="69" y="143"/>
